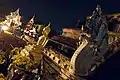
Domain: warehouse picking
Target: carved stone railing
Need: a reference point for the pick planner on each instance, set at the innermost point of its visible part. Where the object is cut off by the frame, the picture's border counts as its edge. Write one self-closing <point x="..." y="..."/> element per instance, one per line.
<point x="64" y="62"/>
<point x="113" y="37"/>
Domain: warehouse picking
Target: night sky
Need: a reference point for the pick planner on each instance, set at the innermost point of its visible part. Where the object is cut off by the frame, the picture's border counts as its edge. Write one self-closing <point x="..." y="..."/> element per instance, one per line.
<point x="60" y="13"/>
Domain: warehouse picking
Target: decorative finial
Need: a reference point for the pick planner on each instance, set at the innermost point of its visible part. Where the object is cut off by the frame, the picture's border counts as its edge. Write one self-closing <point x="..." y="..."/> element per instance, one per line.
<point x="33" y="16"/>
<point x="47" y="29"/>
<point x="18" y="10"/>
<point x="78" y="23"/>
<point x="31" y="22"/>
<point x="82" y="28"/>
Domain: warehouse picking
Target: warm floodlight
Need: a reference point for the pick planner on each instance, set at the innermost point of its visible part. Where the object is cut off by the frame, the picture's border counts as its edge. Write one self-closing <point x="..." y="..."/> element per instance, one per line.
<point x="4" y="27"/>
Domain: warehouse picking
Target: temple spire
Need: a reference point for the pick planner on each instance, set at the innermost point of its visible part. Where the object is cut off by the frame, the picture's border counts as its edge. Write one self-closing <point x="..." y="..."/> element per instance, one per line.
<point x="82" y="28"/>
<point x="31" y="22"/>
<point x="17" y="11"/>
